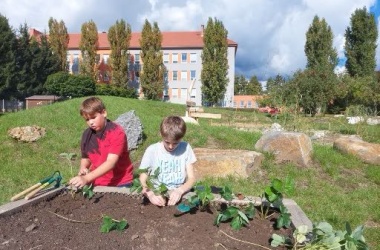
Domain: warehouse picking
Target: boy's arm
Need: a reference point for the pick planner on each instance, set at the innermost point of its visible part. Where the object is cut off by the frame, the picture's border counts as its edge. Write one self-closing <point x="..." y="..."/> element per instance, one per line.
<point x="85" y="164"/>
<point x="177" y="193"/>
<point x="80" y="181"/>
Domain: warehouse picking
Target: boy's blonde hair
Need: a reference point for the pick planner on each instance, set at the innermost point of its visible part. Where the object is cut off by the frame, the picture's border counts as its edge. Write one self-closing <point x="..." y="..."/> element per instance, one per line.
<point x="91" y="106"/>
<point x="173" y="128"/>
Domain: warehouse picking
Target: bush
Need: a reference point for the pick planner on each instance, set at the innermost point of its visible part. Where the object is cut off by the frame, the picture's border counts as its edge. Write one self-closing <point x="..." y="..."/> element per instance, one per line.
<point x="107" y="89"/>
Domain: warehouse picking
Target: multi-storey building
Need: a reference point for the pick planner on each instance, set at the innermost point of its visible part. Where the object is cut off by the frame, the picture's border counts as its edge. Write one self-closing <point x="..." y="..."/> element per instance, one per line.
<point x="182" y="52"/>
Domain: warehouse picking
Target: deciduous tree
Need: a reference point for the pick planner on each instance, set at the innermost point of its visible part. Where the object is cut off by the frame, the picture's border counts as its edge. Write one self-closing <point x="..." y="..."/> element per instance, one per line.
<point x="152" y="75"/>
<point x="119" y="37"/>
<point x="59" y="41"/>
<point x="214" y="62"/>
<point x="88" y="45"/>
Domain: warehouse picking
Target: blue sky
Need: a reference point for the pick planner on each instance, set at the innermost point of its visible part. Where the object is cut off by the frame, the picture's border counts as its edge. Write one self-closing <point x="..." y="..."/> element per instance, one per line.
<point x="270" y="33"/>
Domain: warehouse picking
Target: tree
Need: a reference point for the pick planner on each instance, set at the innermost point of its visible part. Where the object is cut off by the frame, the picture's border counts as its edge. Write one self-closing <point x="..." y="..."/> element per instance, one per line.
<point x="240" y="84"/>
<point x="360" y="45"/>
<point x="119" y="37"/>
<point x="214" y="62"/>
<point x="152" y="76"/>
<point x="88" y="45"/>
<point x="276" y="90"/>
<point x="253" y="87"/>
<point x="65" y="84"/>
<point x="319" y="48"/>
<point x="59" y="41"/>
<point x="7" y="58"/>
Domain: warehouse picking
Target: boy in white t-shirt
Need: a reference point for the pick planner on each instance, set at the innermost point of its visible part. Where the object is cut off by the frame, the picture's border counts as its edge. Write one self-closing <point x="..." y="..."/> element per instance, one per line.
<point x="174" y="158"/>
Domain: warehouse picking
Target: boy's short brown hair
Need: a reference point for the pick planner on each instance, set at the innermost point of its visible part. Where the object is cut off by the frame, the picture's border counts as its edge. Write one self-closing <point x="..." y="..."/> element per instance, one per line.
<point x="91" y="106"/>
<point x="173" y="128"/>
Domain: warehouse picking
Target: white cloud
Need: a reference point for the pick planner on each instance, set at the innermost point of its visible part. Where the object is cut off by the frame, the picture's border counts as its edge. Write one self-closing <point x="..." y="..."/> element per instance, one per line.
<point x="270" y="34"/>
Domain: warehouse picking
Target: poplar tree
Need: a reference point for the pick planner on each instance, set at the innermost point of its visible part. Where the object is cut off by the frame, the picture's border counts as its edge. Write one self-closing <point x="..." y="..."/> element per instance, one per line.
<point x="88" y="46"/>
<point x="59" y="40"/>
<point x="319" y="48"/>
<point x="360" y="45"/>
<point x="119" y="37"/>
<point x="7" y="58"/>
<point x="152" y="75"/>
<point x="214" y="62"/>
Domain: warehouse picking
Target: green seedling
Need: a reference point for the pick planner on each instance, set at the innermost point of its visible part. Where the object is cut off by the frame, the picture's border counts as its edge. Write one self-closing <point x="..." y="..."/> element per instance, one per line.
<point x="110" y="224"/>
<point x="323" y="236"/>
<point x="226" y="193"/>
<point x="70" y="157"/>
<point x="201" y="199"/>
<point x="237" y="217"/>
<point x="88" y="191"/>
<point x="152" y="183"/>
<point x="283" y="219"/>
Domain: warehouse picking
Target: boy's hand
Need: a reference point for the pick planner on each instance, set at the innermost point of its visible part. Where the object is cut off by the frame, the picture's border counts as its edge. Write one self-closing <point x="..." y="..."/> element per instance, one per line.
<point x="157" y="200"/>
<point x="78" y="181"/>
<point x="83" y="171"/>
<point x="175" y="196"/>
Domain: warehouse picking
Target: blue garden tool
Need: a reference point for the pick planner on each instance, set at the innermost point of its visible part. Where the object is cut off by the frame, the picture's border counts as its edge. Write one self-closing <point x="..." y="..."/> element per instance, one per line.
<point x="31" y="191"/>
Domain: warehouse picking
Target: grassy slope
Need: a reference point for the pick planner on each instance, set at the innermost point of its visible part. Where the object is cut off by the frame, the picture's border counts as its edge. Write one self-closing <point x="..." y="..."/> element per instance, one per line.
<point x="337" y="188"/>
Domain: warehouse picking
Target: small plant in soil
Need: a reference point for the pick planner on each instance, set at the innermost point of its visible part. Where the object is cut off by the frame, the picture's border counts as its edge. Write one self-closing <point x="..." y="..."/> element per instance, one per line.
<point x="272" y="198"/>
<point x="88" y="191"/>
<point x="69" y="157"/>
<point x="110" y="224"/>
<point x="152" y="183"/>
<point x="323" y="236"/>
<point x="238" y="217"/>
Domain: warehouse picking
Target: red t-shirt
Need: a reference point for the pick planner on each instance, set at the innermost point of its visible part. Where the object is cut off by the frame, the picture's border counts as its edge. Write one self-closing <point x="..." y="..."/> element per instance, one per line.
<point x="97" y="145"/>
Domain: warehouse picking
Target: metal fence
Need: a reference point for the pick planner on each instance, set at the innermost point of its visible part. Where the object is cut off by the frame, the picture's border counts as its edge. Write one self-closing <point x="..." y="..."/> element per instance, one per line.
<point x="11" y="105"/>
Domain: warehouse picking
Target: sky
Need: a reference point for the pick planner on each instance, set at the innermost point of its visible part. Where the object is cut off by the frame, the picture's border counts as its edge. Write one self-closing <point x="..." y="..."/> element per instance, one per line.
<point x="270" y="34"/>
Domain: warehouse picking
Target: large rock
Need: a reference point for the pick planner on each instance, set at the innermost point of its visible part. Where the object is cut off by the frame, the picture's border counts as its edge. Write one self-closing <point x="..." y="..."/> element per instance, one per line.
<point x="222" y="163"/>
<point x="287" y="147"/>
<point x="367" y="152"/>
<point x="27" y="133"/>
<point x="132" y="127"/>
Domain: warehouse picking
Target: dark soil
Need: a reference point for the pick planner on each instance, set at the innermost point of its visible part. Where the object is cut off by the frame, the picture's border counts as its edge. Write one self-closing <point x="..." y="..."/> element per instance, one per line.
<point x="67" y="222"/>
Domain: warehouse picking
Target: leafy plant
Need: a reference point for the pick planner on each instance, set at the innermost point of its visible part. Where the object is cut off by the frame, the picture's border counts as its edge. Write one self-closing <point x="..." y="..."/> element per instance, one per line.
<point x="323" y="236"/>
<point x="273" y="196"/>
<point x="110" y="224"/>
<point x="201" y="199"/>
<point x="152" y="182"/>
<point x="226" y="193"/>
<point x="238" y="218"/>
<point x="88" y="191"/>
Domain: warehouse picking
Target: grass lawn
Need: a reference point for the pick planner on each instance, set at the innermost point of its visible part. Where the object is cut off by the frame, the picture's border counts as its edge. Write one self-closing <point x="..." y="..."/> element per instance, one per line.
<point x="336" y="188"/>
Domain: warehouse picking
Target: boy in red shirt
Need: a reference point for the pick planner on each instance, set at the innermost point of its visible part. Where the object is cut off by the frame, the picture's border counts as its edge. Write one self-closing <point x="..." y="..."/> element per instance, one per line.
<point x="105" y="157"/>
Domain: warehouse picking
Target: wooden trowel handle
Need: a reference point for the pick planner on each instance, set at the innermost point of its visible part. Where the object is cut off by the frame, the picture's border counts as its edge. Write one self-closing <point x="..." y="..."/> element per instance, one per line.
<point x="19" y="195"/>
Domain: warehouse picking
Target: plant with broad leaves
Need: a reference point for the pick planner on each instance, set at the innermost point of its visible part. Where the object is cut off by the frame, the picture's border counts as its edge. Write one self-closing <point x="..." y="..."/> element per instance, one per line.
<point x="273" y="196"/>
<point x="226" y="193"/>
<point x="201" y="199"/>
<point x="110" y="224"/>
<point x="88" y="191"/>
<point x="152" y="182"/>
<point x="237" y="217"/>
<point x="323" y="236"/>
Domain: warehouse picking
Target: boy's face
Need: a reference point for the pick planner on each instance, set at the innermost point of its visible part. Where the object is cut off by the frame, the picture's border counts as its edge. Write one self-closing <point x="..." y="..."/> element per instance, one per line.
<point x="170" y="144"/>
<point x="96" y="121"/>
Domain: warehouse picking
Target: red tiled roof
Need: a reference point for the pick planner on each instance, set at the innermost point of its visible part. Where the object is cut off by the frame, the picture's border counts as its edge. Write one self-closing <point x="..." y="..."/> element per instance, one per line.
<point x="170" y="39"/>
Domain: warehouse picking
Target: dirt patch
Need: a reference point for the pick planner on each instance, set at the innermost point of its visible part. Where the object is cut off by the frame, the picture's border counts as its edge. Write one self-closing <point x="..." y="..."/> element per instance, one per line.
<point x="150" y="227"/>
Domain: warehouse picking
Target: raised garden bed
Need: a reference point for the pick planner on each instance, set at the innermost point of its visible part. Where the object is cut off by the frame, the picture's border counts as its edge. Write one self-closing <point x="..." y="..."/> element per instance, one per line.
<point x="58" y="220"/>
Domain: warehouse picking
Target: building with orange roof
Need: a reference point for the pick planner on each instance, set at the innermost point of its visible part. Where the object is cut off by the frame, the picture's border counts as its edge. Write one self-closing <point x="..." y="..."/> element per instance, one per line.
<point x="182" y="52"/>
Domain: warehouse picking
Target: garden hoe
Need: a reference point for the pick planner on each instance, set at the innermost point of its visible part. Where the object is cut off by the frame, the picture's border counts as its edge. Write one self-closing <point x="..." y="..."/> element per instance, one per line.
<point x="31" y="191"/>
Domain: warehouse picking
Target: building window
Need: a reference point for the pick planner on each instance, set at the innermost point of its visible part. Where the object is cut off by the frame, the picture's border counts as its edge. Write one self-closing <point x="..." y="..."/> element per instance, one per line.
<point x="105" y="58"/>
<point x="183" y="94"/>
<point x="137" y="58"/>
<point x="175" y="75"/>
<point x="249" y="105"/>
<point x="184" y="58"/>
<point x="75" y="65"/>
<point x="192" y="74"/>
<point x="193" y="93"/>
<point x="241" y="104"/>
<point x="166" y="57"/>
<point x="174" y="93"/>
<point x="193" y="58"/>
<point x="175" y="58"/>
<point x="183" y="75"/>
